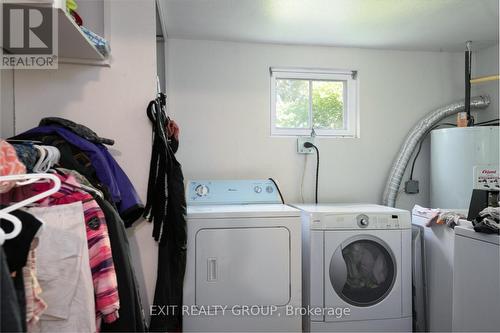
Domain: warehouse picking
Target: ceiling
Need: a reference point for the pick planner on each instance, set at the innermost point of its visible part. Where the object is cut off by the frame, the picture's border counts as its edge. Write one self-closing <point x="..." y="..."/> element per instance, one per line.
<point x="388" y="24"/>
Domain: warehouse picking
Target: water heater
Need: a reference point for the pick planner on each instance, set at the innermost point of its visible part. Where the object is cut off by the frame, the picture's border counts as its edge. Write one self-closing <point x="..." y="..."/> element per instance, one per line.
<point x="463" y="159"/>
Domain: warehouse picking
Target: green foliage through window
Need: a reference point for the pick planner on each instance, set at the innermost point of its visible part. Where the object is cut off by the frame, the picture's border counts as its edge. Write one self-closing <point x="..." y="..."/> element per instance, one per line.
<point x="294" y="102"/>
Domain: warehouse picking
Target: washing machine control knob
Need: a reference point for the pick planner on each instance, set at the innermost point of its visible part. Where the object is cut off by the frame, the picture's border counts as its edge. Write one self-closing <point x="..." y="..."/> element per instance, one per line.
<point x="363" y="220"/>
<point x="201" y="190"/>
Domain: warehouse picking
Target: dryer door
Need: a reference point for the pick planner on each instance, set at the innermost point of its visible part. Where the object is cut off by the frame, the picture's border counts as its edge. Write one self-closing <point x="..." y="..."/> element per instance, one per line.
<point x="243" y="266"/>
<point x="362" y="274"/>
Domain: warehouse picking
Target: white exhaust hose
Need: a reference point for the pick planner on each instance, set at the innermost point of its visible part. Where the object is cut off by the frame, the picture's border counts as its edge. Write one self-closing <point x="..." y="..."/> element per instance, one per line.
<point x="416" y="134"/>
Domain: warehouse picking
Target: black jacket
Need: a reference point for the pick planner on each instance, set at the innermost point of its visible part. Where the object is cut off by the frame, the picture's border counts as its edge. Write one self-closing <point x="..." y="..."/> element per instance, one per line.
<point x="131" y="314"/>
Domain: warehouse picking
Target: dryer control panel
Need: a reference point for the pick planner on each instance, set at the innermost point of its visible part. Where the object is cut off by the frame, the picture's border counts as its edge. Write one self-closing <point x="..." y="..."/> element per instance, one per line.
<point x="232" y="192"/>
<point x="362" y="220"/>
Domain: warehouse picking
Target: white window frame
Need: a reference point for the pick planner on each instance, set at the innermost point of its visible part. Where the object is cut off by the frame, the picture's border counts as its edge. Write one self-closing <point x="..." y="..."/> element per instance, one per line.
<point x="351" y="115"/>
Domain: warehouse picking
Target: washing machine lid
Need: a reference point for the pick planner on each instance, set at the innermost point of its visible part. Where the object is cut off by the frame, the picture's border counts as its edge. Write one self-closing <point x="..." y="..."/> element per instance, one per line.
<point x="239" y="211"/>
<point x="467" y="230"/>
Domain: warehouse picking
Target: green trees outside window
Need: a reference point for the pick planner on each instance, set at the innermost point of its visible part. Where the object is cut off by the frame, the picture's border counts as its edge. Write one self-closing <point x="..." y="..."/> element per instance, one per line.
<point x="295" y="99"/>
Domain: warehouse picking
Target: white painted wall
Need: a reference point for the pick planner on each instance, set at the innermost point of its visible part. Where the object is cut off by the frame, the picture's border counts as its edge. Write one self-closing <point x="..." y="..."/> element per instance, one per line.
<point x="112" y="101"/>
<point x="485" y="62"/>
<point x="6" y="103"/>
<point x="219" y="94"/>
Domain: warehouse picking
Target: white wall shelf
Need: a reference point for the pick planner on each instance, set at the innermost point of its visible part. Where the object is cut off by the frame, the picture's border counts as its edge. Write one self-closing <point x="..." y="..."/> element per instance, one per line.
<point x="74" y="46"/>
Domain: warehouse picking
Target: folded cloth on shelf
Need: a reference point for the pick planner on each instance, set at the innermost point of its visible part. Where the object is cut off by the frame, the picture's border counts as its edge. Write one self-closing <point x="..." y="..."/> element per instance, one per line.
<point x="100" y="43"/>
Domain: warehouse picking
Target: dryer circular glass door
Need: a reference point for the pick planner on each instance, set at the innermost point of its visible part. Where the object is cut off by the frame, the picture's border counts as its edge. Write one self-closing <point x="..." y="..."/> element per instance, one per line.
<point x="363" y="270"/>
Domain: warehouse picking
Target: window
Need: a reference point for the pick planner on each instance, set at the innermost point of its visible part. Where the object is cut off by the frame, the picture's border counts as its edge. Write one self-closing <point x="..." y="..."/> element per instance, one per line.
<point x="306" y="100"/>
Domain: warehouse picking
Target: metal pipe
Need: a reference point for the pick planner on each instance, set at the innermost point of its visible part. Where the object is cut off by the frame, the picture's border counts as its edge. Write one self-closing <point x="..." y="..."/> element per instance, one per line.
<point x="483" y="79"/>
<point x="468" y="58"/>
<point x="416" y="134"/>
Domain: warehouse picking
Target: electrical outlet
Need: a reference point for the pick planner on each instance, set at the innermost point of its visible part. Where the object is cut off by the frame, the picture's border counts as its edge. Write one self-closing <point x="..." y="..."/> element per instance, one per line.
<point x="300" y="144"/>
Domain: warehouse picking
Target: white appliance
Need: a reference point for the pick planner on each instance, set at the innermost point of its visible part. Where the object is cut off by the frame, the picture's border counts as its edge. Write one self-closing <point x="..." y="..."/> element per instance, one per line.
<point x="243" y="258"/>
<point x="463" y="159"/>
<point x="476" y="283"/>
<point x="438" y="249"/>
<point x="356" y="268"/>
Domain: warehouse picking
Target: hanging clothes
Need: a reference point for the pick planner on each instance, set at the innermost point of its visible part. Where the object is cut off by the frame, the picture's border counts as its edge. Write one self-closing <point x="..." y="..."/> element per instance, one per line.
<point x="17" y="248"/>
<point x="17" y="252"/>
<point x="131" y="314"/>
<point x="78" y="129"/>
<point x="9" y="165"/>
<point x="10" y="316"/>
<point x="107" y="170"/>
<point x="166" y="208"/>
<point x="63" y="271"/>
<point x="101" y="293"/>
<point x="35" y="305"/>
<point x="101" y="262"/>
<point x="27" y="154"/>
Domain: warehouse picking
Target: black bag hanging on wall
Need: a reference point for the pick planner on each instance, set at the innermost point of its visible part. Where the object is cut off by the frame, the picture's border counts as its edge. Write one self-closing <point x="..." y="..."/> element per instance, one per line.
<point x="166" y="208"/>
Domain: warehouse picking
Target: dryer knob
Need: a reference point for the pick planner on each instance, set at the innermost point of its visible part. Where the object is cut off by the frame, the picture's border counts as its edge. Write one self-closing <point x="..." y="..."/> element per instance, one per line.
<point x="363" y="220"/>
<point x="201" y="190"/>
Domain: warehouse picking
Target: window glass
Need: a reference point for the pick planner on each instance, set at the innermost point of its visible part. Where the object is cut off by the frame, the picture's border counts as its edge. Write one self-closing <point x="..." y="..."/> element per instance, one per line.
<point x="292" y="104"/>
<point x="328" y="104"/>
<point x="314" y="102"/>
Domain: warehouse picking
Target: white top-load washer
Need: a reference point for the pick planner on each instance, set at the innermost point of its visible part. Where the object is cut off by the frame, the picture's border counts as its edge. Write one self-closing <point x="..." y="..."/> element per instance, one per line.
<point x="476" y="281"/>
<point x="356" y="268"/>
<point x="243" y="258"/>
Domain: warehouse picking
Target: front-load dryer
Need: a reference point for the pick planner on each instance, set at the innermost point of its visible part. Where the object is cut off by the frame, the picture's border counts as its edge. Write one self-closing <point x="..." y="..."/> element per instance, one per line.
<point x="243" y="268"/>
<point x="356" y="268"/>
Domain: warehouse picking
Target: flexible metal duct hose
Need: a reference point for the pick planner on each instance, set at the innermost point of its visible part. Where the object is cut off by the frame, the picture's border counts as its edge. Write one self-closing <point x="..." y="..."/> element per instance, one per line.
<point x="414" y="137"/>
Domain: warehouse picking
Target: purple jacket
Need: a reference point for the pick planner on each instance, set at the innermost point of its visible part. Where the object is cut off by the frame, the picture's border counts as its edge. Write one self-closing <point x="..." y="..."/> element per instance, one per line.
<point x="107" y="169"/>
